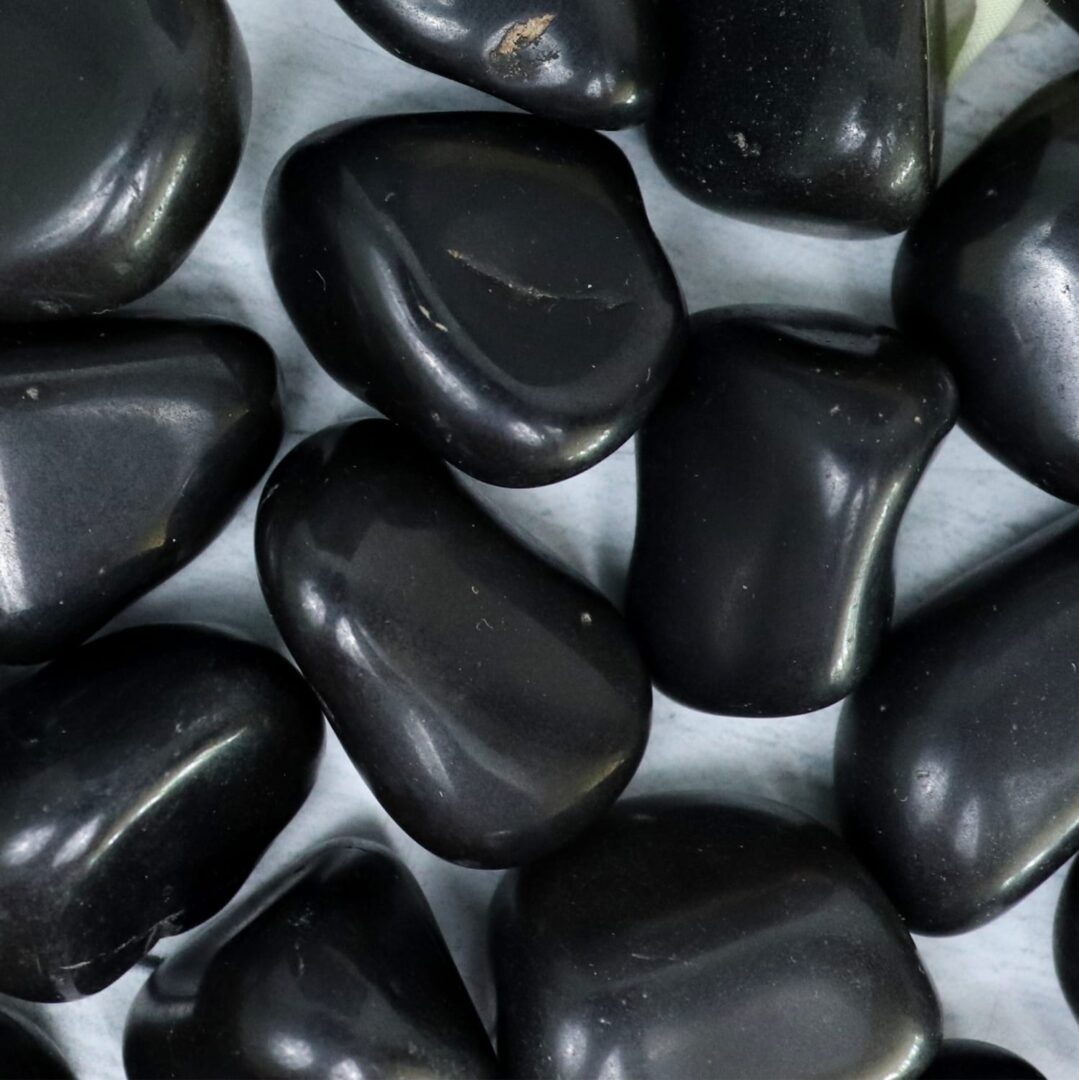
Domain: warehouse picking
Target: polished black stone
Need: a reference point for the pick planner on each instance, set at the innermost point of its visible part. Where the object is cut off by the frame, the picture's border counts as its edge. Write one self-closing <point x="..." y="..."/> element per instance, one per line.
<point x="957" y="761"/>
<point x="1067" y="10"/>
<point x="597" y="63"/>
<point x="965" y="1059"/>
<point x="691" y="937"/>
<point x="518" y="315"/>
<point x="494" y="704"/>
<point x="822" y="118"/>
<point x="986" y="276"/>
<point x="1067" y="939"/>
<point x="773" y="478"/>
<point x="337" y="969"/>
<point x="122" y="124"/>
<point x="26" y="1052"/>
<point x="125" y="447"/>
<point x="141" y="778"/>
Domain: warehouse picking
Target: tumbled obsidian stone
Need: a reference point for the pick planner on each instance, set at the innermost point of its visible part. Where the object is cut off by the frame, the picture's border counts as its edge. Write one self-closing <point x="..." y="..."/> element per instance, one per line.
<point x="337" y="969"/>
<point x="957" y="761"/>
<point x="597" y="63"/>
<point x="141" y="778"/>
<point x="773" y="477"/>
<point x="122" y="123"/>
<point x="125" y="447"/>
<point x="26" y="1052"/>
<point x="986" y="276"/>
<point x="822" y="118"/>
<point x="494" y="704"/>
<point x="966" y="1059"/>
<point x="1067" y="939"/>
<point x="689" y="936"/>
<point x="518" y="315"/>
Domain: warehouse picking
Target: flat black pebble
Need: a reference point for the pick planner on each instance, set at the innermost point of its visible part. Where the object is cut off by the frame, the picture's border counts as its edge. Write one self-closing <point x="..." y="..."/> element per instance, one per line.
<point x="336" y="969"/>
<point x="597" y="63"/>
<point x="773" y="478"/>
<point x="495" y="705"/>
<point x="519" y="315"/>
<point x="125" y="447"/>
<point x="957" y="761"/>
<point x="819" y="118"/>
<point x="966" y="1059"/>
<point x="141" y="778"/>
<point x="986" y="276"/>
<point x="122" y="123"/>
<point x="688" y="936"/>
<point x="26" y="1052"/>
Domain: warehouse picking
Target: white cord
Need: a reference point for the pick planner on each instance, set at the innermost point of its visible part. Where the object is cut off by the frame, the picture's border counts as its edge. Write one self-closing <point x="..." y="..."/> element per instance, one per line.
<point x="973" y="25"/>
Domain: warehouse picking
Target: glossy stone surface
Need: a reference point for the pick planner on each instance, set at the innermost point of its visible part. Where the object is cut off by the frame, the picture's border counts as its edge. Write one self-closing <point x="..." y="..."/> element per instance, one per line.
<point x="965" y="1059"/>
<point x="1067" y="940"/>
<point x="26" y="1052"/>
<point x="494" y="704"/>
<point x="125" y="447"/>
<point x="122" y="123"/>
<point x="597" y="63"/>
<point x="773" y="478"/>
<point x="818" y="118"/>
<point x="337" y="969"/>
<point x="986" y="276"/>
<point x="519" y="316"/>
<point x="689" y="936"/>
<point x="957" y="761"/>
<point x="141" y="778"/>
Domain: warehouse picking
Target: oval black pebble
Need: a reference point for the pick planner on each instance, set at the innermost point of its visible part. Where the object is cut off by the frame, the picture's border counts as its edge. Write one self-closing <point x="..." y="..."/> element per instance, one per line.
<point x="966" y="1059"/>
<point x="773" y="478"/>
<point x="27" y="1053"/>
<point x="337" y="969"/>
<point x="122" y="123"/>
<point x="141" y="779"/>
<point x="125" y="447"/>
<point x="495" y="705"/>
<point x="519" y="315"/>
<point x="819" y="118"/>
<point x="597" y="63"/>
<point x="986" y="276"/>
<point x="689" y="936"/>
<point x="1067" y="939"/>
<point x="957" y="761"/>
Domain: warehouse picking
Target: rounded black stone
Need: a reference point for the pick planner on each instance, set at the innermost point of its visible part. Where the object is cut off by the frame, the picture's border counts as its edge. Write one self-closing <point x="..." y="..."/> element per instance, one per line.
<point x="26" y="1052"/>
<point x="1067" y="939"/>
<point x="966" y="1059"/>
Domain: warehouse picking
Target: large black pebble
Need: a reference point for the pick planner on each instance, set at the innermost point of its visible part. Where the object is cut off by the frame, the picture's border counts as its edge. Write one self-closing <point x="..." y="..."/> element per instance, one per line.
<point x="966" y="1059"/>
<point x="823" y="118"/>
<point x="141" y="778"/>
<point x="125" y="447"/>
<point x="687" y="936"/>
<point x="337" y="969"/>
<point x="494" y="704"/>
<point x="490" y="281"/>
<point x="957" y="761"/>
<point x="1067" y="10"/>
<point x="26" y="1052"/>
<point x="773" y="478"/>
<point x="987" y="276"/>
<point x="597" y="63"/>
<point x="1067" y="939"/>
<point x="122" y="123"/>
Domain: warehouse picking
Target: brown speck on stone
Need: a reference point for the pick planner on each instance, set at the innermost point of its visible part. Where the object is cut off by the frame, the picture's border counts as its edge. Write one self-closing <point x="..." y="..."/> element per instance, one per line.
<point x="522" y="34"/>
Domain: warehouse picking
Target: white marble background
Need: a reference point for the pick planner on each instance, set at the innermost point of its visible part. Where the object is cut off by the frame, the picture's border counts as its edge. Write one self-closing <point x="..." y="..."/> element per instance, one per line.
<point x="312" y="67"/>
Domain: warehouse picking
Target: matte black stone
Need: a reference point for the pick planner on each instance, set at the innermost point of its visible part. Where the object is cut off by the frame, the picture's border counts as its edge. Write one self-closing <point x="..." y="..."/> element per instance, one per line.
<point x="26" y="1052"/>
<point x="597" y="63"/>
<point x="1068" y="10"/>
<point x="518" y="315"/>
<point x="773" y="478"/>
<point x="337" y="969"/>
<point x="1067" y="939"/>
<point x="141" y="778"/>
<point x="494" y="704"/>
<point x="965" y="1059"/>
<point x="957" y="761"/>
<point x="986" y="275"/>
<point x="686" y="936"/>
<point x="125" y="447"/>
<point x="818" y="118"/>
<point x="122" y="123"/>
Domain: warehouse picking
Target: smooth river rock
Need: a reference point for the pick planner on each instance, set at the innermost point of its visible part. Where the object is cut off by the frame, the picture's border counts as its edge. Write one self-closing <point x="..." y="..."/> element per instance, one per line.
<point x="966" y="1059"/>
<point x="518" y="315"/>
<point x="337" y="969"/>
<point x="1067" y="10"/>
<point x="1067" y="939"/>
<point x="26" y="1052"/>
<point x="494" y="704"/>
<point x="125" y="447"/>
<point x="687" y="935"/>
<point x="987" y="277"/>
<point x="773" y="478"/>
<point x="597" y="63"/>
<point x="957" y="761"/>
<point x="817" y="118"/>
<point x="141" y="778"/>
<point x="122" y="123"/>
